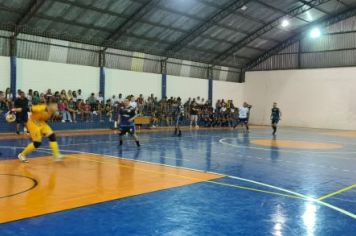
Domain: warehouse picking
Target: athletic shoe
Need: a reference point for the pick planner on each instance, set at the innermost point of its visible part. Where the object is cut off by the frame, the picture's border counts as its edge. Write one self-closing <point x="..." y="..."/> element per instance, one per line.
<point x="59" y="158"/>
<point x="22" y="158"/>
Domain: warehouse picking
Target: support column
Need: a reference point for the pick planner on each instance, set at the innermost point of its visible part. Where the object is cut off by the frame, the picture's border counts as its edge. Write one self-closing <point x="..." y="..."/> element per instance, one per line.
<point x="164" y="78"/>
<point x="13" y="74"/>
<point x="102" y="73"/>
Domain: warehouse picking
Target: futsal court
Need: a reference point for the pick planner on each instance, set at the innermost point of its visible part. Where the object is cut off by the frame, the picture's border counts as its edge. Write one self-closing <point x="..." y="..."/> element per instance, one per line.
<point x="208" y="182"/>
<point x="178" y="117"/>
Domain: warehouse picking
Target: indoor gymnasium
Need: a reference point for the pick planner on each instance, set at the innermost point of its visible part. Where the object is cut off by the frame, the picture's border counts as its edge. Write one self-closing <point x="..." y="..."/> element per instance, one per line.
<point x="178" y="117"/>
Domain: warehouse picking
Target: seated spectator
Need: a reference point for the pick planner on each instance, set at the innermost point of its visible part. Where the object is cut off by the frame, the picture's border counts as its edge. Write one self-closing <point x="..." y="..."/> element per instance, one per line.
<point x="63" y="95"/>
<point x="63" y="110"/>
<point x="69" y="95"/>
<point x="72" y="109"/>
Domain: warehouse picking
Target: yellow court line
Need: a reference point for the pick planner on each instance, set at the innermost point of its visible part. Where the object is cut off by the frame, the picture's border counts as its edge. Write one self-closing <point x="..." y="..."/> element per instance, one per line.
<point x="337" y="192"/>
<point x="197" y="179"/>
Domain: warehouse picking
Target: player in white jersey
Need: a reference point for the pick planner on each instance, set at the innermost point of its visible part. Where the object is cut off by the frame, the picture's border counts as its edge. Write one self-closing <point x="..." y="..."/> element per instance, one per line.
<point x="244" y="114"/>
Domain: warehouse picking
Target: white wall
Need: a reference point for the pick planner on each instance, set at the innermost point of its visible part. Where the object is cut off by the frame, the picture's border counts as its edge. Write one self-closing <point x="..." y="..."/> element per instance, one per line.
<point x="42" y="75"/>
<point x="319" y="98"/>
<point x="228" y="91"/>
<point x="130" y="82"/>
<point x="186" y="87"/>
<point x="4" y="73"/>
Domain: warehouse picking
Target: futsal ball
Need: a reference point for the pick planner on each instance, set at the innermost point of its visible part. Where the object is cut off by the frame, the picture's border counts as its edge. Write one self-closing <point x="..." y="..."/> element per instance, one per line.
<point x="10" y="118"/>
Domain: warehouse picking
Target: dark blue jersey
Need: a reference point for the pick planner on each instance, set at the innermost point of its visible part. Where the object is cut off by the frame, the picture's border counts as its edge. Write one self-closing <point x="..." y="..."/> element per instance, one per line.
<point x="276" y="114"/>
<point x="125" y="115"/>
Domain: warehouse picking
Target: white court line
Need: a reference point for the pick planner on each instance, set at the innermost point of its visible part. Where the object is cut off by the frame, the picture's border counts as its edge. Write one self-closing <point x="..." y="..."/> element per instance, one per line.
<point x="304" y="197"/>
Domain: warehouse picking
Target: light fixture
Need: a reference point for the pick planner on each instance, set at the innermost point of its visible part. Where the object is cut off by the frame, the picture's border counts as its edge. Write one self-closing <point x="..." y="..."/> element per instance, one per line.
<point x="285" y="23"/>
<point x="244" y="8"/>
<point x="315" y="33"/>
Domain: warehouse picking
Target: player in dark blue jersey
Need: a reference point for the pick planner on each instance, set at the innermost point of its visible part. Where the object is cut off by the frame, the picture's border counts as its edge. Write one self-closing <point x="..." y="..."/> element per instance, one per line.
<point x="127" y="115"/>
<point x="275" y="117"/>
<point x="179" y="114"/>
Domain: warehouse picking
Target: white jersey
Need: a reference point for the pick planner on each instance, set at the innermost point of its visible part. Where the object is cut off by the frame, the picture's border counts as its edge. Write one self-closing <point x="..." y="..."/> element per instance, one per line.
<point x="243" y="112"/>
<point x="133" y="105"/>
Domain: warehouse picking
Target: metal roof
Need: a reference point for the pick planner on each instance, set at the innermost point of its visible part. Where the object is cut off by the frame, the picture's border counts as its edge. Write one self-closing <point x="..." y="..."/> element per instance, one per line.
<point x="229" y="33"/>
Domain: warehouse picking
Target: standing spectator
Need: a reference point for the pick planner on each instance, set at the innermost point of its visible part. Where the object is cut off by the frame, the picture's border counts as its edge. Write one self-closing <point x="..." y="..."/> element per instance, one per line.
<point x="29" y="97"/>
<point x="74" y="95"/>
<point x="194" y="111"/>
<point x="21" y="109"/>
<point x="79" y="95"/>
<point x="8" y="95"/>
<point x="140" y="103"/>
<point x="3" y="103"/>
<point x="100" y="98"/>
<point x="133" y="103"/>
<point x="35" y="98"/>
<point x="48" y="95"/>
<point x="108" y="110"/>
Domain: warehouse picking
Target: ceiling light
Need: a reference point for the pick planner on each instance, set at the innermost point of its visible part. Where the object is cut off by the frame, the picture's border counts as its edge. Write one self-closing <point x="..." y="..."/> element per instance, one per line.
<point x="244" y="8"/>
<point x="315" y="33"/>
<point x="285" y="23"/>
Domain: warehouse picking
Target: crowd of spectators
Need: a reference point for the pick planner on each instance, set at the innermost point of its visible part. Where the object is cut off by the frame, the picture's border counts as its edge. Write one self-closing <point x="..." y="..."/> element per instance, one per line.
<point x="74" y="107"/>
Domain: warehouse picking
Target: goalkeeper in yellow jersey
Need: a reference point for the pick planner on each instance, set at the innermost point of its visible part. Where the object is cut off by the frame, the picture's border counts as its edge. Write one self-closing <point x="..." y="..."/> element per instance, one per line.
<point x="38" y="127"/>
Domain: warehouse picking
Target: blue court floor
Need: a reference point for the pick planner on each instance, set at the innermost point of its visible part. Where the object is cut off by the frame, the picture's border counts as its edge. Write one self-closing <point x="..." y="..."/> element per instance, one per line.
<point x="265" y="191"/>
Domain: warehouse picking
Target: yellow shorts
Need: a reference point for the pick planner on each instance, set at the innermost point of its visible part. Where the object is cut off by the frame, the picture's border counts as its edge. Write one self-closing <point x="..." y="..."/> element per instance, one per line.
<point x="38" y="129"/>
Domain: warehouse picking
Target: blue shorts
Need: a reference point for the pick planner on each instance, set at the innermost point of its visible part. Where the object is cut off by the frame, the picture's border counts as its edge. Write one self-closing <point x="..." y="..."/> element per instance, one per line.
<point x="275" y="121"/>
<point x="243" y="120"/>
<point x="179" y="120"/>
<point x="127" y="129"/>
<point x="21" y="117"/>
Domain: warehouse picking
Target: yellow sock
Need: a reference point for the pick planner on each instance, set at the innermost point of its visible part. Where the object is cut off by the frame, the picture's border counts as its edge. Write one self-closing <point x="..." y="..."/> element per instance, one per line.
<point x="55" y="148"/>
<point x="30" y="148"/>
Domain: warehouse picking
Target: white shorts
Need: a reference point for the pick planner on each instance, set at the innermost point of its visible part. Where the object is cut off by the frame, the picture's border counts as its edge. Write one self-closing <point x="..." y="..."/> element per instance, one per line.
<point x="194" y="117"/>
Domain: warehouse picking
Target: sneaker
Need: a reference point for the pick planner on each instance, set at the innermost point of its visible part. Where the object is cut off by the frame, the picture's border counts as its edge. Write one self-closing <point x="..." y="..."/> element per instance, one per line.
<point x="22" y="158"/>
<point x="59" y="158"/>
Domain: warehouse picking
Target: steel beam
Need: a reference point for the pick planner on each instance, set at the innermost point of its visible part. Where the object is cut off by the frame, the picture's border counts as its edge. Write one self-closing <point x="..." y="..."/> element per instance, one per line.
<point x="295" y="38"/>
<point x="266" y="28"/>
<point x="130" y="21"/>
<point x="32" y="10"/>
<point x="231" y="7"/>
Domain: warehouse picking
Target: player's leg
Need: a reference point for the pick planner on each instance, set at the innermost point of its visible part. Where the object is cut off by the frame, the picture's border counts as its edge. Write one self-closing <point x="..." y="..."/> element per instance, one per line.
<point x="274" y="126"/>
<point x="122" y="132"/>
<point x="36" y="138"/>
<point x="53" y="144"/>
<point x="132" y="132"/>
<point x="246" y="124"/>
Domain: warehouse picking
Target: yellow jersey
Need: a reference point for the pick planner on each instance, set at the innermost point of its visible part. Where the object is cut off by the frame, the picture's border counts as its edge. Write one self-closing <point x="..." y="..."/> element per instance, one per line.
<point x="40" y="113"/>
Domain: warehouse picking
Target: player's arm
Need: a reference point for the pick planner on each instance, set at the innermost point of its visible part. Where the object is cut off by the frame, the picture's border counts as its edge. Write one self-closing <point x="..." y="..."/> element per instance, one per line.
<point x="134" y="117"/>
<point x="119" y="118"/>
<point x="16" y="107"/>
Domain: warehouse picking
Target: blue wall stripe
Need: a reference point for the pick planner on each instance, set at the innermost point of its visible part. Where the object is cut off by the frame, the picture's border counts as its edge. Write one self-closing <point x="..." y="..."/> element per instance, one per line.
<point x="210" y="90"/>
<point x="164" y="85"/>
<point x="102" y="81"/>
<point x="13" y="76"/>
